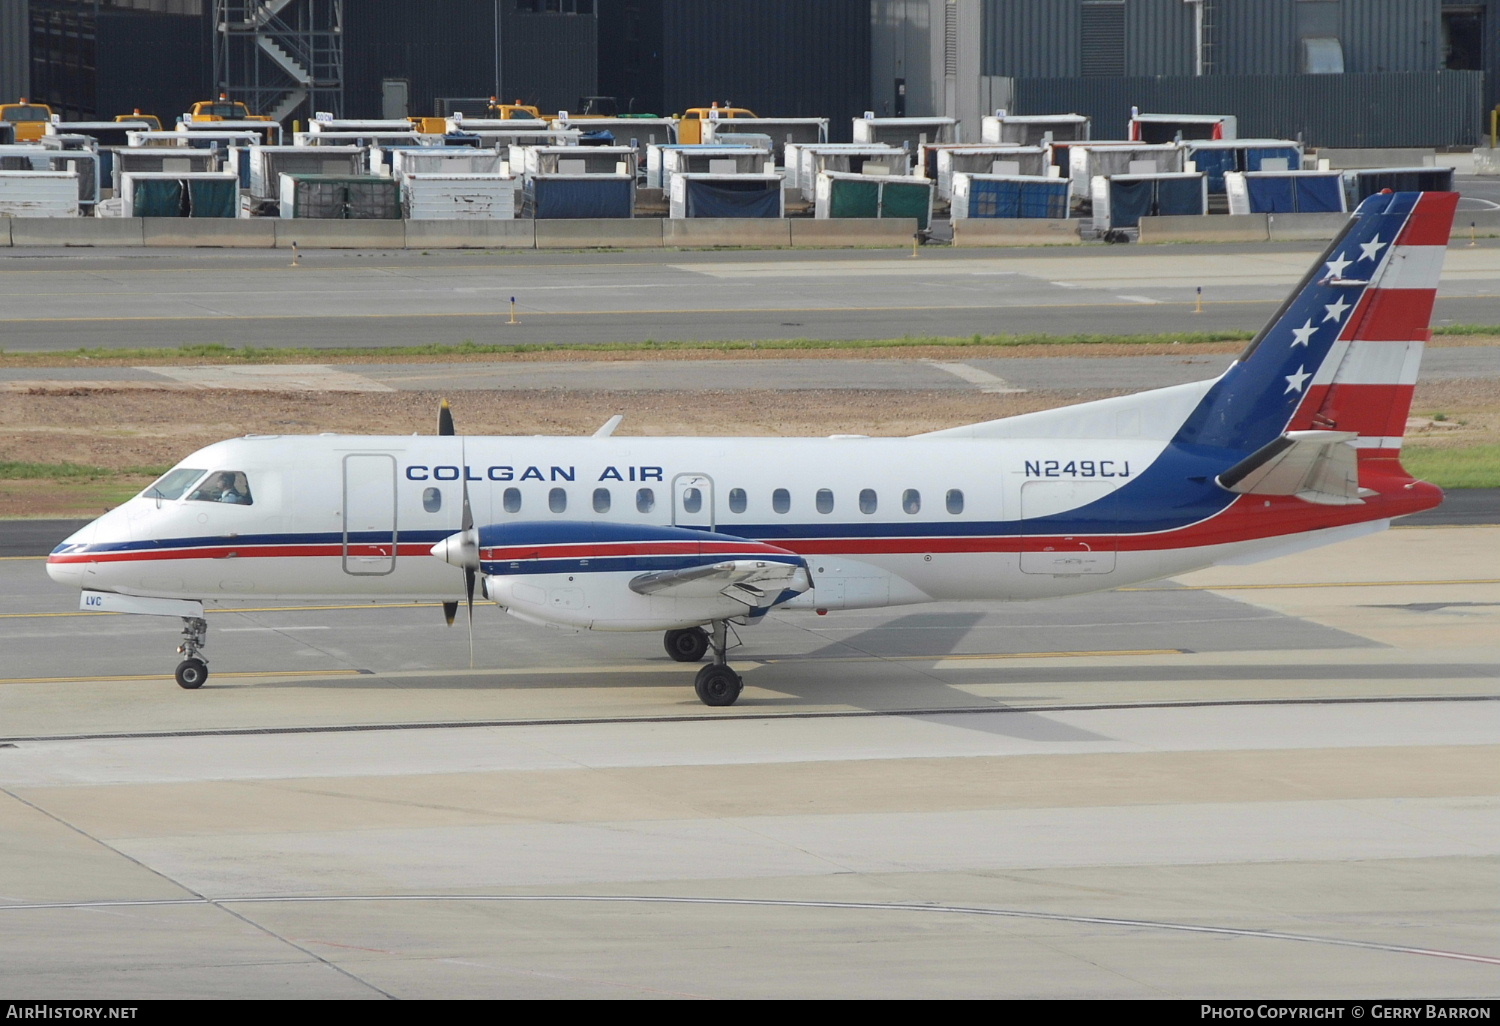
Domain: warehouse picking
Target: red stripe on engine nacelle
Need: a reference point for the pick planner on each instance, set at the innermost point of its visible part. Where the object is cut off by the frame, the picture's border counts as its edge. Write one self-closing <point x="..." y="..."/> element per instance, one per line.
<point x="1392" y="315"/>
<point x="1431" y="223"/>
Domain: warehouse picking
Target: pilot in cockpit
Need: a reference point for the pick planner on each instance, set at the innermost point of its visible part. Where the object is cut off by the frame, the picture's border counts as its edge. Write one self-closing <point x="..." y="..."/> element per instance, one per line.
<point x="224" y="486"/>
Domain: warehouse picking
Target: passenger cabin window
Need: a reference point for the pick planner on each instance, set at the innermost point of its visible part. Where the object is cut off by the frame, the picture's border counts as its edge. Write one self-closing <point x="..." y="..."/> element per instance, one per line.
<point x="557" y="500"/>
<point x="172" y="484"/>
<point x="911" y="501"/>
<point x="601" y="500"/>
<point x="737" y="500"/>
<point x="645" y="500"/>
<point x="955" y="501"/>
<point x="868" y="501"/>
<point x="432" y="499"/>
<point x="824" y="500"/>
<point x="229" y="486"/>
<point x="781" y="500"/>
<point x="511" y="500"/>
<point x="692" y="500"/>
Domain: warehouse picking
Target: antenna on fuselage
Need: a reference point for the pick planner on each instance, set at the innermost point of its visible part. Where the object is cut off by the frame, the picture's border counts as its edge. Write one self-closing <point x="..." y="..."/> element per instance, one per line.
<point x="445" y="419"/>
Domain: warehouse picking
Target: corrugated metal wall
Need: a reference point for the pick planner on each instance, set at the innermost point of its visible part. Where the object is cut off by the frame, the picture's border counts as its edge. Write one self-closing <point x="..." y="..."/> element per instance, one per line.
<point x="551" y="59"/>
<point x="130" y="69"/>
<point x="781" y="58"/>
<point x="1041" y="38"/>
<point x="15" y="57"/>
<point x="1439" y="108"/>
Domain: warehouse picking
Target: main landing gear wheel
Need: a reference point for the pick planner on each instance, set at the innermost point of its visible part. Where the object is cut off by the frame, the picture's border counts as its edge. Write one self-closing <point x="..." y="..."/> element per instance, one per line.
<point x="191" y="673"/>
<point x="686" y="646"/>
<point x="718" y="685"/>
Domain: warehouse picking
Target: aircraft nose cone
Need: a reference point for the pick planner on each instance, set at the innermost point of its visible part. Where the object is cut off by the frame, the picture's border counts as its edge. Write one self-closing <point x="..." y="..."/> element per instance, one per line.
<point x="70" y="573"/>
<point x="456" y="551"/>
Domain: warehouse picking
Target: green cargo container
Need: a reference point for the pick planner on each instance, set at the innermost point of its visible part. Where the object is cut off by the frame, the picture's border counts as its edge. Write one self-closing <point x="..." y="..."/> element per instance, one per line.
<point x="341" y="197"/>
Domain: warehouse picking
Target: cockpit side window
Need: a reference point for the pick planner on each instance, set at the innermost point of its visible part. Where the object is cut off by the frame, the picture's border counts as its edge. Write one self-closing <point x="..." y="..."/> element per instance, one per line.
<point x="224" y="486"/>
<point x="173" y="483"/>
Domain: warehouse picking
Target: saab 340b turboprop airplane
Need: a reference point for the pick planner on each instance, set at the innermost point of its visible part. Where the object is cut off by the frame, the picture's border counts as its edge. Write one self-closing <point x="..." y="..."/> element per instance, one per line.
<point x="1296" y="445"/>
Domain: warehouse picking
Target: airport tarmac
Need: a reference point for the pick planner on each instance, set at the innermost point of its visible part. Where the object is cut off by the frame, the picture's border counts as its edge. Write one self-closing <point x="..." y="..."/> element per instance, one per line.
<point x="52" y="300"/>
<point x="1275" y="780"/>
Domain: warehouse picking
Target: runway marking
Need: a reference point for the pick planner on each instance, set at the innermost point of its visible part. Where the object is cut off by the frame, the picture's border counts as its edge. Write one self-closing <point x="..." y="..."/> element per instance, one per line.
<point x="278" y="630"/>
<point x="973" y="656"/>
<point x="1320" y="584"/>
<point x="739" y="713"/>
<point x="161" y="676"/>
<point x="851" y="906"/>
<point x="717" y="311"/>
<point x="989" y="383"/>
<point x="1142" y="299"/>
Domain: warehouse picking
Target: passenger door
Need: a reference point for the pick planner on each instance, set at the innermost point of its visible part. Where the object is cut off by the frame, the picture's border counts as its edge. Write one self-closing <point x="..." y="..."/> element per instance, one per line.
<point x="369" y="514"/>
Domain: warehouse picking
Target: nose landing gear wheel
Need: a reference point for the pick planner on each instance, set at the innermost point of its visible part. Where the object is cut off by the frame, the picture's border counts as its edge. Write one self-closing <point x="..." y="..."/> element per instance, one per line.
<point x="686" y="646"/>
<point x="191" y="673"/>
<point x="718" y="685"/>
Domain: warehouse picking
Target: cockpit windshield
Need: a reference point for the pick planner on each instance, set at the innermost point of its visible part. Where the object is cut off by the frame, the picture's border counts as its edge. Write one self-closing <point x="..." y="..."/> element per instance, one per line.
<point x="173" y="483"/>
<point x="223" y="486"/>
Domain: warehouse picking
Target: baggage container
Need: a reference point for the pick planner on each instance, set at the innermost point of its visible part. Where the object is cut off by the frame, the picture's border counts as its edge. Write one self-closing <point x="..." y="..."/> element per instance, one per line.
<point x="269" y="163"/>
<point x="1090" y="160"/>
<point x="177" y="160"/>
<point x="782" y="132"/>
<point x="1120" y="201"/>
<point x="1365" y="182"/>
<point x="1033" y="129"/>
<point x="446" y="197"/>
<point x="846" y="158"/>
<point x="365" y="139"/>
<point x="38" y="193"/>
<point x="852" y="195"/>
<point x="1216" y="158"/>
<point x="573" y="197"/>
<point x="576" y="160"/>
<point x="939" y="163"/>
<point x="637" y="133"/>
<point x="1285" y="192"/>
<point x="340" y="197"/>
<point x="269" y="131"/>
<point x="180" y="194"/>
<point x="907" y="132"/>
<point x="35" y="157"/>
<point x="448" y="160"/>
<point x="664" y="162"/>
<point x="1010" y="196"/>
<point x="1165" y="128"/>
<point x="726" y="195"/>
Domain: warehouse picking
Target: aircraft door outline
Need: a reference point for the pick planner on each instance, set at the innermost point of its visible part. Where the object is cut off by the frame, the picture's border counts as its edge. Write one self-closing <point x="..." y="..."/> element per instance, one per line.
<point x="370" y="502"/>
<point x="693" y="502"/>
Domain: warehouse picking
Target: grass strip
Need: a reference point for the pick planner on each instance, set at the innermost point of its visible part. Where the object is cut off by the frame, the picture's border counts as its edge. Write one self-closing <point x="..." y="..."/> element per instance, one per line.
<point x="1473" y="466"/>
<point x="11" y="470"/>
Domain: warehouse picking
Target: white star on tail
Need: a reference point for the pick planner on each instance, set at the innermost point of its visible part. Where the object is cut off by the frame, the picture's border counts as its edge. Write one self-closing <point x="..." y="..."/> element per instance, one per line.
<point x="1337" y="310"/>
<point x="1303" y="333"/>
<point x="1294" y="382"/>
<point x="1336" y="266"/>
<point x="1368" y="250"/>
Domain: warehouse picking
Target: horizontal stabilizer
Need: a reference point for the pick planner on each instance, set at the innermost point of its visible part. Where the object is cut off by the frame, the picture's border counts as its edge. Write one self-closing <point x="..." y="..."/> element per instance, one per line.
<point x="1315" y="466"/>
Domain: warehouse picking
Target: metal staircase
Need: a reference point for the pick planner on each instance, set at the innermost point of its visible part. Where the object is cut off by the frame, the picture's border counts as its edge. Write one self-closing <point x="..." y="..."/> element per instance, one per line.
<point x="281" y="57"/>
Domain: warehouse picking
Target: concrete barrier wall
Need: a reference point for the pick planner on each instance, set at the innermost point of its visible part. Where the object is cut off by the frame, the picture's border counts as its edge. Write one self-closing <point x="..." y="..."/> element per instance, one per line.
<point x="209" y="231"/>
<point x="1305" y="227"/>
<point x="1206" y="228"/>
<point x="882" y="232"/>
<point x="5" y="230"/>
<point x="1388" y="157"/>
<point x="608" y="233"/>
<point x="77" y="231"/>
<point x="703" y="232"/>
<point x="1021" y="231"/>
<point x="316" y="233"/>
<point x="470" y="234"/>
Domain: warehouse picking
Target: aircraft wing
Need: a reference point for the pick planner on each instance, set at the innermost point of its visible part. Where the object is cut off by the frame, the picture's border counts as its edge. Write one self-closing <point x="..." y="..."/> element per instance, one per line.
<point x="1315" y="466"/>
<point x="751" y="581"/>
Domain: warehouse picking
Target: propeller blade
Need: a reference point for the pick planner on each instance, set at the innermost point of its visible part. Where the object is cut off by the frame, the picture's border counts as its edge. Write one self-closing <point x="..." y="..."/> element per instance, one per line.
<point x="450" y="612"/>
<point x="469" y="576"/>
<point x="445" y="419"/>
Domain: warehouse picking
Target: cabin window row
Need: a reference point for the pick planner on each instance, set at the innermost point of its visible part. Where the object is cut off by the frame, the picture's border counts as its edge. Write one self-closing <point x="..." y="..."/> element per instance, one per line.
<point x="868" y="500"/>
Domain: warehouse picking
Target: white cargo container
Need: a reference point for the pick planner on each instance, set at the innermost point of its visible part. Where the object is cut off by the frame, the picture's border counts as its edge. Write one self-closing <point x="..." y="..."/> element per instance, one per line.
<point x="438" y="197"/>
<point x="907" y="132"/>
<point x="269" y="131"/>
<point x="38" y="194"/>
<point x="783" y="132"/>
<point x="576" y="160"/>
<point x="1088" y="161"/>
<point x="177" y="160"/>
<point x="663" y="162"/>
<point x="269" y="163"/>
<point x="1163" y="128"/>
<point x="446" y="160"/>
<point x="365" y="139"/>
<point x="847" y="158"/>
<point x="41" y="158"/>
<point x="1033" y="129"/>
<point x="1030" y="161"/>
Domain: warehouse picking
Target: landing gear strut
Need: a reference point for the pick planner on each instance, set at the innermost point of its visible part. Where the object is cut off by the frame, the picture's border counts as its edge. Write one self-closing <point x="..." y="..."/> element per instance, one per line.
<point x="716" y="683"/>
<point x="193" y="670"/>
<point x="686" y="646"/>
